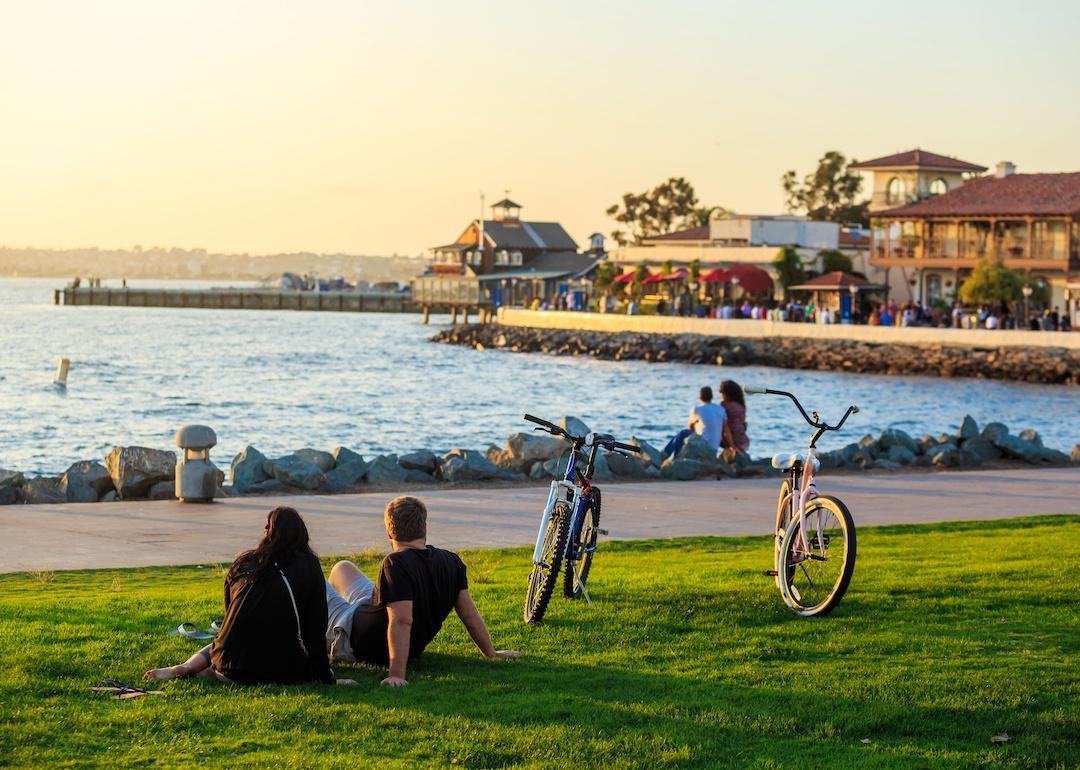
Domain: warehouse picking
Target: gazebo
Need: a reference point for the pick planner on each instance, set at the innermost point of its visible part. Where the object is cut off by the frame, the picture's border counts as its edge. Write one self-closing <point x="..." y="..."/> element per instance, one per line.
<point x="837" y="290"/>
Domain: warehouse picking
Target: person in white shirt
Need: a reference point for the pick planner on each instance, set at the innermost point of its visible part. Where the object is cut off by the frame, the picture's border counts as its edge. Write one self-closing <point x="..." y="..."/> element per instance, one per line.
<point x="707" y="419"/>
<point x="992" y="321"/>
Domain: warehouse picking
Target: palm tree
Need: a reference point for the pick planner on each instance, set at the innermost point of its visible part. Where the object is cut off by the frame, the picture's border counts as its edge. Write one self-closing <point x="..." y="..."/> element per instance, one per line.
<point x="700" y="217"/>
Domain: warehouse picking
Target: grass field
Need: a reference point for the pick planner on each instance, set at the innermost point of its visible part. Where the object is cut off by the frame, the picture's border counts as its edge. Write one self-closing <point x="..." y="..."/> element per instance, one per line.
<point x="949" y="635"/>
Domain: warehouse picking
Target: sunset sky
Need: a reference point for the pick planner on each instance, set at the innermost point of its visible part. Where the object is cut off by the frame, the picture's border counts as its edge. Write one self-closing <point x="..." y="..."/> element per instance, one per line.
<point x="370" y="128"/>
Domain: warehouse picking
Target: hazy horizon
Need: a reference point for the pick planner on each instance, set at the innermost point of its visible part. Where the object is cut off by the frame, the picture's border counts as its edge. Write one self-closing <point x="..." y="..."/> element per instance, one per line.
<point x="371" y="129"/>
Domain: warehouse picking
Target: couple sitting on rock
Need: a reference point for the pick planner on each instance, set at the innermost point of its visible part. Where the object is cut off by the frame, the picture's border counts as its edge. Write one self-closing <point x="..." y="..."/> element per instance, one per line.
<point x="282" y="617"/>
<point x="722" y="426"/>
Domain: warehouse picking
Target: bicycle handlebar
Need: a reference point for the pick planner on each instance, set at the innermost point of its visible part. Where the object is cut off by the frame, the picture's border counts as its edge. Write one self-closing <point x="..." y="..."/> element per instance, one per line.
<point x="555" y="430"/>
<point x="813" y="423"/>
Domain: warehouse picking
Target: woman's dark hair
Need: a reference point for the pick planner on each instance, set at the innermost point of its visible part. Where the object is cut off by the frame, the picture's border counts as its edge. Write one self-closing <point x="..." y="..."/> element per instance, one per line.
<point x="731" y="391"/>
<point x="285" y="538"/>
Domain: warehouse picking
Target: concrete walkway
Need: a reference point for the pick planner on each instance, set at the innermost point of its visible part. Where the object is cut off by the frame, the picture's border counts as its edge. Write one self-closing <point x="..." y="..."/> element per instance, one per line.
<point x="142" y="533"/>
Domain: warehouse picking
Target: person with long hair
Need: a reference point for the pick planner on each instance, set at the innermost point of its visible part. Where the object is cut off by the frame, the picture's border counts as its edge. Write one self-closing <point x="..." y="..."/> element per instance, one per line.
<point x="275" y="614"/>
<point x="734" y="403"/>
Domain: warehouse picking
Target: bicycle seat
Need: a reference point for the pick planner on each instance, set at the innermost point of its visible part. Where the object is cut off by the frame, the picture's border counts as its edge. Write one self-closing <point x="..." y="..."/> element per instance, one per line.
<point x="785" y="460"/>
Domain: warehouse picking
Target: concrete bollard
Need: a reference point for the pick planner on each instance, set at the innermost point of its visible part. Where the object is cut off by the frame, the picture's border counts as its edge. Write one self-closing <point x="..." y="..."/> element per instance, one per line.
<point x="196" y="476"/>
<point x="62" y="367"/>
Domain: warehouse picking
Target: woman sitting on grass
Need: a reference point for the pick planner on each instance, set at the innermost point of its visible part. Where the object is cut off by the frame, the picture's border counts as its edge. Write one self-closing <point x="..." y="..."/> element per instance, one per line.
<point x="275" y="614"/>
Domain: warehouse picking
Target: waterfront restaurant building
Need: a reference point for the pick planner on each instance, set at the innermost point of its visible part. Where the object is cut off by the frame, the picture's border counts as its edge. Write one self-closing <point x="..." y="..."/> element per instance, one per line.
<point x="1028" y="221"/>
<point x="504" y="260"/>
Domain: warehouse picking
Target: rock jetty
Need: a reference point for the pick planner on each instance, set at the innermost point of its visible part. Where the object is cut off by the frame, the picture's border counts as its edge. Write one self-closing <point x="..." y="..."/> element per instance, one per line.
<point x="143" y="473"/>
<point x="1045" y="365"/>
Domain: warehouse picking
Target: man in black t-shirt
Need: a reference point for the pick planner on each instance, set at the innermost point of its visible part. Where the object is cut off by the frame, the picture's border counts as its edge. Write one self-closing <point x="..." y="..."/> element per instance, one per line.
<point x="391" y="621"/>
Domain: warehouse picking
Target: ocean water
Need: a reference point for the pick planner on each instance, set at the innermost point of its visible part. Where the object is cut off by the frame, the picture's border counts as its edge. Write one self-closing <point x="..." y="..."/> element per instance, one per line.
<point x="284" y="380"/>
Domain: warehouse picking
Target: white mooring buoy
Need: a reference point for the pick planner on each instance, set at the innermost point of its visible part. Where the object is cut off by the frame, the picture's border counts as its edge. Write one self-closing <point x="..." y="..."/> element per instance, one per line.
<point x="62" y="366"/>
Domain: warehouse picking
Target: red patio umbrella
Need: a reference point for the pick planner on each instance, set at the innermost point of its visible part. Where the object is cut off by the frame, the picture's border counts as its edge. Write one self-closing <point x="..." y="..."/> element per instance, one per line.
<point x="751" y="277"/>
<point x="624" y="278"/>
<point x="719" y="275"/>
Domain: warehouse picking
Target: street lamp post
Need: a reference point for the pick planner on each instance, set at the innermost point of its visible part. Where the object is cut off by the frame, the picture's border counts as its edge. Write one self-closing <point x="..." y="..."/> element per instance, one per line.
<point x="854" y="290"/>
<point x="1027" y="312"/>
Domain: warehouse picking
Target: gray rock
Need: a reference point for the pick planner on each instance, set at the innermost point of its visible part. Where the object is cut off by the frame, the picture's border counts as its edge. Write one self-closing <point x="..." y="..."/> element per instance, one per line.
<point x="470" y="465"/>
<point x="944" y="456"/>
<point x="651" y="454"/>
<point x="384" y="469"/>
<point x="294" y="471"/>
<point x="267" y="487"/>
<point x="1016" y="448"/>
<point x="698" y="449"/>
<point x="109" y="497"/>
<point x="10" y="495"/>
<point x="680" y="469"/>
<point x="900" y="455"/>
<point x="1054" y="457"/>
<point x="966" y="458"/>
<point x="992" y="431"/>
<point x="625" y="467"/>
<point x="537" y="471"/>
<point x="526" y="448"/>
<point x="894" y="437"/>
<point x="163" y="490"/>
<point x="11" y="478"/>
<point x="423" y="461"/>
<point x="885" y="464"/>
<point x="968" y="428"/>
<point x="43" y="489"/>
<point x="413" y="476"/>
<point x="652" y="472"/>
<point x="601" y="469"/>
<point x="225" y="490"/>
<point x="135" y="469"/>
<point x="324" y="461"/>
<point x="1075" y="454"/>
<point x="85" y="482"/>
<point x="1032" y="435"/>
<point x="573" y="426"/>
<point x="983" y="450"/>
<point x="868" y="445"/>
<point x="346" y="476"/>
<point x="344" y="456"/>
<point x="247" y="468"/>
<point x="727" y="469"/>
<point x="555" y="467"/>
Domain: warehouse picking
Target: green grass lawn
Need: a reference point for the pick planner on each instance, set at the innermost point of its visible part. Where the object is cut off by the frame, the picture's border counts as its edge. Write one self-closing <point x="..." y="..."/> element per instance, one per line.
<point x="949" y="635"/>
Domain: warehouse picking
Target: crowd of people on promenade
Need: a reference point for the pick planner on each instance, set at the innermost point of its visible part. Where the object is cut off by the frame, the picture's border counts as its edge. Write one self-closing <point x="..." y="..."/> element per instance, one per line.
<point x="285" y="623"/>
<point x="888" y="313"/>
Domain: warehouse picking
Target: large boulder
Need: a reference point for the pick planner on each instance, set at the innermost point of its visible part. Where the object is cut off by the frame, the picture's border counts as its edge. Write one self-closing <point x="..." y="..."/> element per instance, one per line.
<point x="344" y="455"/>
<point x="85" y="482"/>
<point x="1030" y="452"/>
<point x="573" y="426"/>
<point x="992" y="431"/>
<point x="294" y="471"/>
<point x="601" y="469"/>
<point x="384" y="469"/>
<point x="696" y="448"/>
<point x="267" y="487"/>
<point x="900" y="455"/>
<point x="625" y="467"/>
<point x="526" y="448"/>
<point x="11" y="483"/>
<point x="1032" y="435"/>
<point x="424" y="461"/>
<point x="413" y="476"/>
<point x="680" y="469"/>
<point x="43" y="489"/>
<point x="944" y="456"/>
<point x="982" y="450"/>
<point x="135" y="469"/>
<point x="649" y="453"/>
<point x="324" y="461"/>
<point x="1075" y="454"/>
<point x="346" y="476"/>
<point x="163" y="490"/>
<point x="247" y="469"/>
<point x="470" y="465"/>
<point x="894" y="437"/>
<point x="968" y="428"/>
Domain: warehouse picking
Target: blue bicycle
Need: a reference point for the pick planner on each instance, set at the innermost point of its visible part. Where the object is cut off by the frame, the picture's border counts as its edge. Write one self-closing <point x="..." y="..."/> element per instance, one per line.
<point x="571" y="522"/>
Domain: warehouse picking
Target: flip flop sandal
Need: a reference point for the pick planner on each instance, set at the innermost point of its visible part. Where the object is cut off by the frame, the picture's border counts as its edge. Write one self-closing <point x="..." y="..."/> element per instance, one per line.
<point x="215" y="626"/>
<point x="190" y="631"/>
<point x="123" y="691"/>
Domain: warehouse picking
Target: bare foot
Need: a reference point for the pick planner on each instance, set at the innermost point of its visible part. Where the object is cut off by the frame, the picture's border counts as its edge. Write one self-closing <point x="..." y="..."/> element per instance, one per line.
<point x="164" y="674"/>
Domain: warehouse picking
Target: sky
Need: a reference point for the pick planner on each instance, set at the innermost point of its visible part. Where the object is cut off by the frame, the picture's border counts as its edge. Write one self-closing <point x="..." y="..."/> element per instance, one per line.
<point x="372" y="127"/>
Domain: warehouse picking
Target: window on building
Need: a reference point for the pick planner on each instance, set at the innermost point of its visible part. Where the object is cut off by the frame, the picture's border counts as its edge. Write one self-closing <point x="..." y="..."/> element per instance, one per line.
<point x="896" y="191"/>
<point x="502" y="257"/>
<point x="939" y="187"/>
<point x="933" y="289"/>
<point x="515" y="258"/>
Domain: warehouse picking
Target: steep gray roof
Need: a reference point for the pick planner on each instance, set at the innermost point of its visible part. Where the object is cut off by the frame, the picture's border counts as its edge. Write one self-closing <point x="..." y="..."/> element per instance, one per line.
<point x="549" y="236"/>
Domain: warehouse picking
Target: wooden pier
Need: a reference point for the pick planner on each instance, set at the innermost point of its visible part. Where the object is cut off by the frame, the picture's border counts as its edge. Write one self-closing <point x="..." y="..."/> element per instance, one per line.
<point x="239" y="299"/>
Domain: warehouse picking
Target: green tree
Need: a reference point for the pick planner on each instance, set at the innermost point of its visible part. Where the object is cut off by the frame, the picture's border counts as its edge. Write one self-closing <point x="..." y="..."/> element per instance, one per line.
<point x="833" y="260"/>
<point x="700" y="217"/>
<point x="605" y="276"/>
<point x="695" y="270"/>
<point x="654" y="212"/>
<point x="789" y="269"/>
<point x="991" y="282"/>
<point x="829" y="193"/>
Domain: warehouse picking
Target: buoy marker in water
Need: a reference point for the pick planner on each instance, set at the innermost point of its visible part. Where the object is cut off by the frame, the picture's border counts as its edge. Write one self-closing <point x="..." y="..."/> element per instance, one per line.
<point x="62" y="366"/>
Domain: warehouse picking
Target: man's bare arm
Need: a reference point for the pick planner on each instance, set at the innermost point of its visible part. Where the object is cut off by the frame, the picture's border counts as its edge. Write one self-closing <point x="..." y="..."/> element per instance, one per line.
<point x="398" y="633"/>
<point x="466" y="610"/>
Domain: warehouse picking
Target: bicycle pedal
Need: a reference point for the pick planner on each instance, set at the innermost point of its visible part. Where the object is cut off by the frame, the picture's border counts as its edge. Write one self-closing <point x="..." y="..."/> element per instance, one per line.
<point x="771" y="573"/>
<point x="601" y="531"/>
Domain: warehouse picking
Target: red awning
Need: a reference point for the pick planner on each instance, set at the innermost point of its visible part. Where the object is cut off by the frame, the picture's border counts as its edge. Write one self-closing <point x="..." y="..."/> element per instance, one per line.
<point x="678" y="275"/>
<point x="719" y="275"/>
<point x="751" y="277"/>
<point x="624" y="278"/>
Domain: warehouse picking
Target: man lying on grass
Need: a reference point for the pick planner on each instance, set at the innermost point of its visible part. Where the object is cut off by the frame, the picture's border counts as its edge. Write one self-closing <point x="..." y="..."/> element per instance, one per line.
<point x="391" y="621"/>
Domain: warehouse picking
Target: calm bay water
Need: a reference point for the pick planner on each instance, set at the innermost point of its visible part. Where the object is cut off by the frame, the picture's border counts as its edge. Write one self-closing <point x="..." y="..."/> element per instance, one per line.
<point x="285" y="380"/>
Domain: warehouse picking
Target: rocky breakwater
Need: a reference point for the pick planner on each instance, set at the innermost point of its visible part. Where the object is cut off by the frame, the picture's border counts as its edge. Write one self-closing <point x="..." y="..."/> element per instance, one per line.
<point x="128" y="473"/>
<point x="1045" y="365"/>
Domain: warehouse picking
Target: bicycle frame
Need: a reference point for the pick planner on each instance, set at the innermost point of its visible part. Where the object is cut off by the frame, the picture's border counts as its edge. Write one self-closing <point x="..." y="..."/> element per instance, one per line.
<point x="575" y="495"/>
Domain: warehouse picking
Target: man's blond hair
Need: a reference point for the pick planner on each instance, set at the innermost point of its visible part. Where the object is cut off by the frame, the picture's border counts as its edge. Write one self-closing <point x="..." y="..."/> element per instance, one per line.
<point x="406" y="519"/>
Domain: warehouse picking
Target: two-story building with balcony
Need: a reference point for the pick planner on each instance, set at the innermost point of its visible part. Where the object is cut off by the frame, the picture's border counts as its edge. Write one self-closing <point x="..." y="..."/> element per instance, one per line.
<point x="1028" y="221"/>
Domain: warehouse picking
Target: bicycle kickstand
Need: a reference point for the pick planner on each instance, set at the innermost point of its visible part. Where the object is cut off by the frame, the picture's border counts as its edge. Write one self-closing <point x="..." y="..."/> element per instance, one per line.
<point x="584" y="592"/>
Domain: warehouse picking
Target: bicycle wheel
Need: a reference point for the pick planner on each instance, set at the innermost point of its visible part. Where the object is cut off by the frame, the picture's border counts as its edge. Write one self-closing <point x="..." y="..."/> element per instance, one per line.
<point x="577" y="572"/>
<point x="783" y="515"/>
<point x="814" y="583"/>
<point x="543" y="576"/>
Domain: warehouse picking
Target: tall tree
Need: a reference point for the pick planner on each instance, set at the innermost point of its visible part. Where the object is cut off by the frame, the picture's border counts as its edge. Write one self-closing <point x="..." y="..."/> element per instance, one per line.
<point x="789" y="269"/>
<point x="654" y="212"/>
<point x="833" y="261"/>
<point x="829" y="193"/>
<point x="990" y="282"/>
<point x="701" y="216"/>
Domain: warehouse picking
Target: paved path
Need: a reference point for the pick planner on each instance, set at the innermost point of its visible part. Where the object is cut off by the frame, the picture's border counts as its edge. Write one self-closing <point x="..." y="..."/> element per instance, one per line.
<point x="129" y="534"/>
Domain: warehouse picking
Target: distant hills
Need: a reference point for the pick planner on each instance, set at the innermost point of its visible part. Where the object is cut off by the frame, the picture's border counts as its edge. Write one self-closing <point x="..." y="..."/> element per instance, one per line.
<point x="160" y="262"/>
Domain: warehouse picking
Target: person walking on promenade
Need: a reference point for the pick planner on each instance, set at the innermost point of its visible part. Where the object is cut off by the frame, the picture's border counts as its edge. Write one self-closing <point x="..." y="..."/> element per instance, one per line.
<point x="733" y="403"/>
<point x="391" y="621"/>
<point x="275" y="614"/>
<point x="707" y="419"/>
